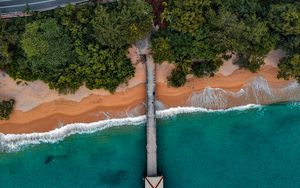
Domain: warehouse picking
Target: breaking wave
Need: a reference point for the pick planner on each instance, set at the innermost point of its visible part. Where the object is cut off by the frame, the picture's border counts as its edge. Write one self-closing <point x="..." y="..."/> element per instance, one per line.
<point x="257" y="91"/>
<point x="15" y="142"/>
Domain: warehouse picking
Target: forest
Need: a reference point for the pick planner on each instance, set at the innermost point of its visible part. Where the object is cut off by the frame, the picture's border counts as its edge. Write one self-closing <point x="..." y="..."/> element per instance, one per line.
<point x="88" y="44"/>
<point x="75" y="45"/>
<point x="198" y="34"/>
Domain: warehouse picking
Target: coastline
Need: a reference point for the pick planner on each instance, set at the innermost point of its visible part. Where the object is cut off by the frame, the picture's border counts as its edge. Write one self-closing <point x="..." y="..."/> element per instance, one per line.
<point x="15" y="142"/>
<point x="252" y="136"/>
<point x="39" y="109"/>
<point x="55" y="114"/>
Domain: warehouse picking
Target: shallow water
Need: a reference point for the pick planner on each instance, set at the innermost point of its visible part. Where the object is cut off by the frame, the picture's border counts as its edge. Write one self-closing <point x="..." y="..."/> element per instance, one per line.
<point x="257" y="147"/>
<point x="110" y="158"/>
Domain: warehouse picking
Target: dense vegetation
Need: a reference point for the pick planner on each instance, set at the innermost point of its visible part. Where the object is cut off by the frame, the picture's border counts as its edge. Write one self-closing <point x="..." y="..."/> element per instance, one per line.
<point x="72" y="46"/>
<point x="287" y="25"/>
<point x="6" y="108"/>
<point x="202" y="32"/>
<point x="87" y="45"/>
<point x="122" y="25"/>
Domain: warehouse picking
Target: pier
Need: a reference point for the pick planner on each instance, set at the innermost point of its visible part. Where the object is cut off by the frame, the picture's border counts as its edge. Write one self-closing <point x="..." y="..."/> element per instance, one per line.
<point x="151" y="118"/>
<point x="152" y="180"/>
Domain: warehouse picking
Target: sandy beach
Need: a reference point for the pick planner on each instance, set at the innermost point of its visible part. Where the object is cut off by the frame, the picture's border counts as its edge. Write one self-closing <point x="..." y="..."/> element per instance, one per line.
<point x="39" y="109"/>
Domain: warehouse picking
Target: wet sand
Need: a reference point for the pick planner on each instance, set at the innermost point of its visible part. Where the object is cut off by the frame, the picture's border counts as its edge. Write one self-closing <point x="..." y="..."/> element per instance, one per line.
<point x="129" y="99"/>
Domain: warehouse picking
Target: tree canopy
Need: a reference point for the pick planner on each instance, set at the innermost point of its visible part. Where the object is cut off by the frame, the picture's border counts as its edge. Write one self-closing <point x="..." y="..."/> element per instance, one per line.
<point x="178" y="76"/>
<point x="106" y="68"/>
<point x="7" y="40"/>
<point x="6" y="108"/>
<point x="284" y="18"/>
<point x="185" y="16"/>
<point x="75" y="45"/>
<point x="48" y="50"/>
<point x="285" y="21"/>
<point x="209" y="30"/>
<point x="87" y="45"/>
<point x="122" y="25"/>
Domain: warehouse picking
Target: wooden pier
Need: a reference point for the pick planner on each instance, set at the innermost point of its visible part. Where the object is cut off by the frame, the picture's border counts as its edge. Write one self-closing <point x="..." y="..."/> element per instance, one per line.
<point x="151" y="118"/>
<point x="152" y="180"/>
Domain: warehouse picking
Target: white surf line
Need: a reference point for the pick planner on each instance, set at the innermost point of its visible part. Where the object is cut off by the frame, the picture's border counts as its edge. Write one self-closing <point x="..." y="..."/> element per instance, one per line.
<point x="190" y="109"/>
<point x="24" y="4"/>
<point x="15" y="142"/>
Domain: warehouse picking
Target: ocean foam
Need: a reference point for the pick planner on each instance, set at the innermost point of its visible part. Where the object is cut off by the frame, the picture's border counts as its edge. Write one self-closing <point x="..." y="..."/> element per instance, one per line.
<point x="260" y="89"/>
<point x="210" y="97"/>
<point x="185" y="110"/>
<point x="14" y="142"/>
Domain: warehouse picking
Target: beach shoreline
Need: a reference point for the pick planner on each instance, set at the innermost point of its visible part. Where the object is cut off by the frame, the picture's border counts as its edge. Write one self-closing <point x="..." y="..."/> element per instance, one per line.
<point x="228" y="88"/>
<point x="15" y="142"/>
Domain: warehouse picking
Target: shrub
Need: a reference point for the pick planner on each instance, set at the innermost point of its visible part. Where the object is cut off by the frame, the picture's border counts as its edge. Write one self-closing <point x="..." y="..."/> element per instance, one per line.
<point x="178" y="76"/>
<point x="6" y="108"/>
<point x="206" y="68"/>
<point x="161" y="50"/>
<point x="289" y="67"/>
<point x="250" y="62"/>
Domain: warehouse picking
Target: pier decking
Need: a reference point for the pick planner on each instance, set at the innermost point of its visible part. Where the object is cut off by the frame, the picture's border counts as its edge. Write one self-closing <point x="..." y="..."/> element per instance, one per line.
<point x="152" y="180"/>
<point x="151" y="118"/>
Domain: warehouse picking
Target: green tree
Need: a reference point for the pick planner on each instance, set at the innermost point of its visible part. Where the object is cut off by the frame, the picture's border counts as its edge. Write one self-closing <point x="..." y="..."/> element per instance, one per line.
<point x="7" y="41"/>
<point x="247" y="35"/>
<point x="60" y="48"/>
<point x="203" y="31"/>
<point x="172" y="46"/>
<point x="48" y="49"/>
<point x="34" y="42"/>
<point x="123" y="25"/>
<point x="289" y="67"/>
<point x="185" y="16"/>
<point x="251" y="62"/>
<point x="182" y="46"/>
<point x="178" y="76"/>
<point x="161" y="50"/>
<point x="106" y="68"/>
<point x="285" y="18"/>
<point x="77" y="22"/>
<point x="206" y="68"/>
<point x="6" y="108"/>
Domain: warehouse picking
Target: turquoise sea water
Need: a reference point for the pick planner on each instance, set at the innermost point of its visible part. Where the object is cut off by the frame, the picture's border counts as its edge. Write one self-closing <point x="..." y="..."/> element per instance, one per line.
<point x="258" y="147"/>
